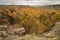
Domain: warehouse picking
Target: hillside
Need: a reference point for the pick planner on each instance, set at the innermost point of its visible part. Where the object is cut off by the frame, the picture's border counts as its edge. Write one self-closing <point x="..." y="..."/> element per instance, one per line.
<point x="34" y="20"/>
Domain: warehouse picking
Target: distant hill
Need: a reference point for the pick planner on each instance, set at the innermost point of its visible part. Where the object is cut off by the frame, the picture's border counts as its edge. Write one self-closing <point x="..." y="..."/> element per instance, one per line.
<point x="49" y="6"/>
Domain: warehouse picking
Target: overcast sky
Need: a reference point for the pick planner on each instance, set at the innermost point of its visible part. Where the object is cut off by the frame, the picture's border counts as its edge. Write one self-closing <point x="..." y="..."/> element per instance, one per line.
<point x="29" y="2"/>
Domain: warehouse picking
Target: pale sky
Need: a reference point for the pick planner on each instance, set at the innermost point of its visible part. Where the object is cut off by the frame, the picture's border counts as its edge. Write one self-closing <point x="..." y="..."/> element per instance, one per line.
<point x="29" y="2"/>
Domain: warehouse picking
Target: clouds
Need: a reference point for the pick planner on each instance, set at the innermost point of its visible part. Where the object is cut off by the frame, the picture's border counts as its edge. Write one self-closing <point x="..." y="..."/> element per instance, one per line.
<point x="29" y="2"/>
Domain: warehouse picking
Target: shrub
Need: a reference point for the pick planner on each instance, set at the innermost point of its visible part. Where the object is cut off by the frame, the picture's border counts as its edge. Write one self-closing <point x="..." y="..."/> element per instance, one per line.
<point x="57" y="17"/>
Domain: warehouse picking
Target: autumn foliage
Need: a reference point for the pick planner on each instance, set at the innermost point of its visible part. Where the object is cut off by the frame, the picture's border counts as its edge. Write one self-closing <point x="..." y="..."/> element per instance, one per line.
<point x="34" y="20"/>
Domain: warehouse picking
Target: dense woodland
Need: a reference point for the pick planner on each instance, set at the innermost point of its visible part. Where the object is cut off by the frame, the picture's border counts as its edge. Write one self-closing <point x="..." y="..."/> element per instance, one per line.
<point x="34" y="20"/>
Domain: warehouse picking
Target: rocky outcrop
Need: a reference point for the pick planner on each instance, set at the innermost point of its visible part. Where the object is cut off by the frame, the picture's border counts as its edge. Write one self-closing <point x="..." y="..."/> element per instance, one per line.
<point x="8" y="32"/>
<point x="55" y="30"/>
<point x="15" y="33"/>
